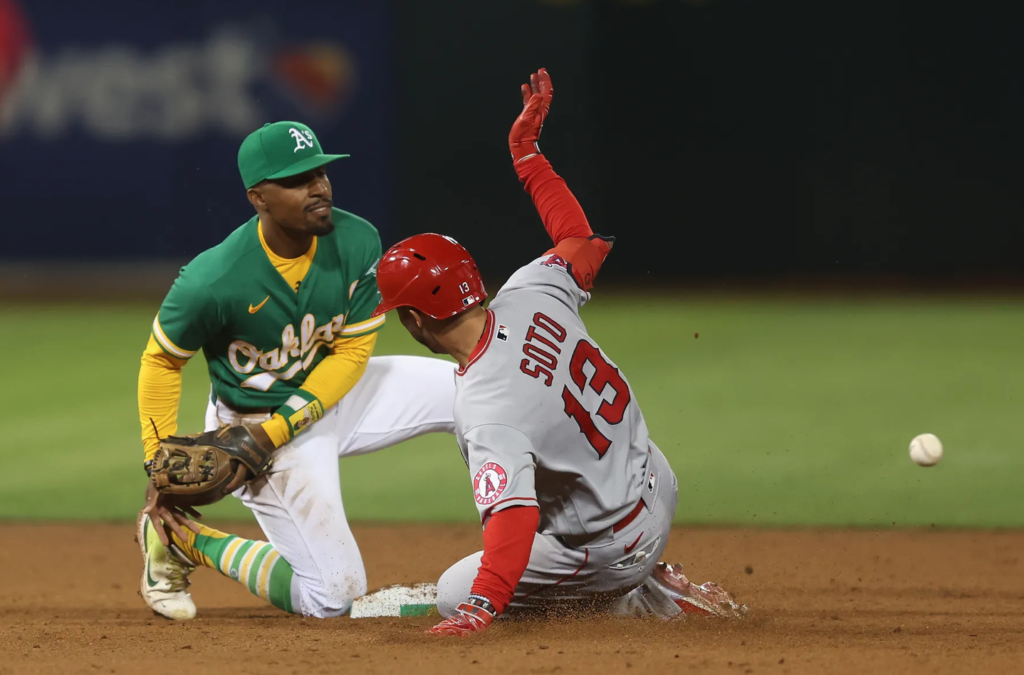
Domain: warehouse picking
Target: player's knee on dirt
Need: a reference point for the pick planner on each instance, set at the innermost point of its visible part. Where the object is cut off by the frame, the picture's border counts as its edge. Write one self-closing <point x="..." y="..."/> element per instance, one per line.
<point x="454" y="585"/>
<point x="329" y="598"/>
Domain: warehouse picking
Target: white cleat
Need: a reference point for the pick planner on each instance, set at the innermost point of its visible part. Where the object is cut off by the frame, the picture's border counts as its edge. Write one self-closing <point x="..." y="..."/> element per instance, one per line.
<point x="708" y="599"/>
<point x="165" y="582"/>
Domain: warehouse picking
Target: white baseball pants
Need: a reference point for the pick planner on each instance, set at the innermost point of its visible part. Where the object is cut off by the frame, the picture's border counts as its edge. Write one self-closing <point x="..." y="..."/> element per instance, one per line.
<point x="298" y="501"/>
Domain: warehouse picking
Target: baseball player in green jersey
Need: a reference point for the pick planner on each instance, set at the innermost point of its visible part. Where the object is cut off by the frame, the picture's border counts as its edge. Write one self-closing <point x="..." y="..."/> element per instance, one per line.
<point x="283" y="312"/>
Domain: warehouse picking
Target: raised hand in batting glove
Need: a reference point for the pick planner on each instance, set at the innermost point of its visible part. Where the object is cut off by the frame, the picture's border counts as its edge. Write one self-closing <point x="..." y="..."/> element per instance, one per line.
<point x="472" y="616"/>
<point x="537" y="95"/>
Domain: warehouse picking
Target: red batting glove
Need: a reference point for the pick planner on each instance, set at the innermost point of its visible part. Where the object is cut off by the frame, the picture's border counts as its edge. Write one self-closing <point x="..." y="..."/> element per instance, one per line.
<point x="522" y="140"/>
<point x="472" y="616"/>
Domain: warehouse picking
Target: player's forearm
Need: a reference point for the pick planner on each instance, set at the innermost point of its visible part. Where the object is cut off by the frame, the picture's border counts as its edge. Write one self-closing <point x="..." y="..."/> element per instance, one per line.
<point x="508" y="541"/>
<point x="159" y="396"/>
<point x="562" y="215"/>
<point x="564" y="220"/>
<point x="329" y="382"/>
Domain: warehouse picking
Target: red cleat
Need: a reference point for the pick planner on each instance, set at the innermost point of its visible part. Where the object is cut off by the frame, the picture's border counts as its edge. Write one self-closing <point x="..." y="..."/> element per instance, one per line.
<point x="708" y="599"/>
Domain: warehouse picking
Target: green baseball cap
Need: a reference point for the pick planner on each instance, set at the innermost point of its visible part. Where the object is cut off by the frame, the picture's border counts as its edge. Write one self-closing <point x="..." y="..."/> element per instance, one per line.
<point x="280" y="150"/>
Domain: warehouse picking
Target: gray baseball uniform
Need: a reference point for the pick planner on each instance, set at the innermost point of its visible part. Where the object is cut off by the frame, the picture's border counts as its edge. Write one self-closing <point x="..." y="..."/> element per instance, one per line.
<point x="544" y="418"/>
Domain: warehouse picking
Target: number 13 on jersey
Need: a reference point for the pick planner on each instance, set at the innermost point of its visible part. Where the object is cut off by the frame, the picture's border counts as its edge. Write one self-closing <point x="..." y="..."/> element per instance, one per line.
<point x="543" y="345"/>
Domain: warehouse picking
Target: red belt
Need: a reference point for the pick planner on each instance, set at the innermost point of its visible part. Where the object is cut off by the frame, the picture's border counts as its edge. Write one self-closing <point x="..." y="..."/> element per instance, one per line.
<point x="630" y="517"/>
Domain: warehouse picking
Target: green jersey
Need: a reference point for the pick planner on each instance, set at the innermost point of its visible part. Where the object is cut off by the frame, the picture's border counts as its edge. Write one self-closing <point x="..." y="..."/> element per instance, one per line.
<point x="260" y="337"/>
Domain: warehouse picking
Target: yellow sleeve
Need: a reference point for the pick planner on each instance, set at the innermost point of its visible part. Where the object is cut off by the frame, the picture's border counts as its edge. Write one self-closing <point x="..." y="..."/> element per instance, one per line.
<point x="338" y="373"/>
<point x="330" y="380"/>
<point x="159" y="395"/>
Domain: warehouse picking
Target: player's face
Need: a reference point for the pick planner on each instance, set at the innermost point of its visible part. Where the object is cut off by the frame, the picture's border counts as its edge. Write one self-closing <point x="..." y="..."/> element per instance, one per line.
<point x="415" y="325"/>
<point x="301" y="203"/>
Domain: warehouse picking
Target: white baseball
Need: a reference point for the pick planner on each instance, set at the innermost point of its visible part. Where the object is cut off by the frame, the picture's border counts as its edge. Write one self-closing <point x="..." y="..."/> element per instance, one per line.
<point x="926" y="450"/>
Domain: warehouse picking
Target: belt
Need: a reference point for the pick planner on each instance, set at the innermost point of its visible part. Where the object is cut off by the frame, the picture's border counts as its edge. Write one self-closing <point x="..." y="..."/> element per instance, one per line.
<point x="246" y="411"/>
<point x="630" y="517"/>
<point x="579" y="541"/>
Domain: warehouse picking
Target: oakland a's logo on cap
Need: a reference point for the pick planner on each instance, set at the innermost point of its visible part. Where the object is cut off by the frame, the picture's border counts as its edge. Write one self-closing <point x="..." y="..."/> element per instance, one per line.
<point x="303" y="139"/>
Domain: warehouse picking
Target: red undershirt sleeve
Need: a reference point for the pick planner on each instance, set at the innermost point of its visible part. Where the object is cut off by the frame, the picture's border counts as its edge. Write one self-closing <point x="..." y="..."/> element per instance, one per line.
<point x="564" y="220"/>
<point x="508" y="541"/>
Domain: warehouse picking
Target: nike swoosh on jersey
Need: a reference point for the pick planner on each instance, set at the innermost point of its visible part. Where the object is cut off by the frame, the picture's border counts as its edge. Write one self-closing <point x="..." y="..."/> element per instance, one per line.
<point x="253" y="310"/>
<point x="630" y="547"/>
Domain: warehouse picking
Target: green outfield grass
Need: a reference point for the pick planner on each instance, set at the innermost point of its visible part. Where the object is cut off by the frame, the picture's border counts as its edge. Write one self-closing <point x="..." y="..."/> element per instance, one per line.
<point x="781" y="412"/>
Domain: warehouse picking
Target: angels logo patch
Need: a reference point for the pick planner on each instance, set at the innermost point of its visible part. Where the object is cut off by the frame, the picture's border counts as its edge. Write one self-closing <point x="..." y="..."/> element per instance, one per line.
<point x="555" y="260"/>
<point x="489" y="483"/>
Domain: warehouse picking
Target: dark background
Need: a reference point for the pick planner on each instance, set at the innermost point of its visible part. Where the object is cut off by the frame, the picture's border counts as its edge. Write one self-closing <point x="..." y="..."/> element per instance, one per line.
<point x="724" y="139"/>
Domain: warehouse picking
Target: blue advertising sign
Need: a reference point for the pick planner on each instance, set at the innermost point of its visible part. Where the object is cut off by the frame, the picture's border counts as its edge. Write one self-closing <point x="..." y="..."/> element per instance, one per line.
<point x="120" y="121"/>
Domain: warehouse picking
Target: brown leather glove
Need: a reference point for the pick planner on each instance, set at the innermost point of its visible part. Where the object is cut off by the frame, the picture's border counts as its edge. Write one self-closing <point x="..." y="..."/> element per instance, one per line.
<point x="201" y="468"/>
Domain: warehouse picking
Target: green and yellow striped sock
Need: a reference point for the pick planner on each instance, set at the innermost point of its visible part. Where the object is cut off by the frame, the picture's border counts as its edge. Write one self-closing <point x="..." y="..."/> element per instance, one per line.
<point x="254" y="564"/>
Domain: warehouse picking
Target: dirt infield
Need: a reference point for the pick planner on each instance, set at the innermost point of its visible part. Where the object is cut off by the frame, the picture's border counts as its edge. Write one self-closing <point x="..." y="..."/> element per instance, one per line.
<point x="821" y="601"/>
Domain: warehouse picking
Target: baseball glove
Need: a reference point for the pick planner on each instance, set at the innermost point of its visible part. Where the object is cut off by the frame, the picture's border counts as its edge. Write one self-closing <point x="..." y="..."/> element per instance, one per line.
<point x="201" y="468"/>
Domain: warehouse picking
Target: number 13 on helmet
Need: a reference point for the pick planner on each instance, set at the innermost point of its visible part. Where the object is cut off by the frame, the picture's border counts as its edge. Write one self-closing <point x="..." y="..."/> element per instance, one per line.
<point x="431" y="273"/>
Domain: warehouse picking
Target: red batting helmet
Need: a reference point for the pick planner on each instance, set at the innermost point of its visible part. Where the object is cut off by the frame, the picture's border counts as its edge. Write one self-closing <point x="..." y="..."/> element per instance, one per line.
<point x="431" y="273"/>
